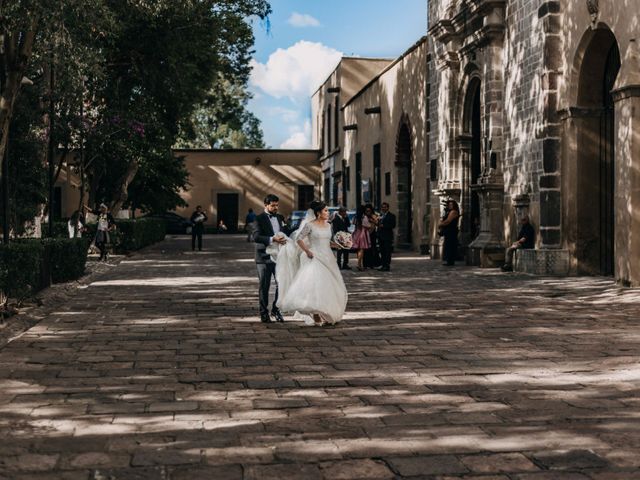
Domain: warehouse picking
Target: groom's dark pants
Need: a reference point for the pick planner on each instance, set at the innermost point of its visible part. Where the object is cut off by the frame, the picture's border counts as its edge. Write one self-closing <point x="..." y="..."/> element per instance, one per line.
<point x="265" y="272"/>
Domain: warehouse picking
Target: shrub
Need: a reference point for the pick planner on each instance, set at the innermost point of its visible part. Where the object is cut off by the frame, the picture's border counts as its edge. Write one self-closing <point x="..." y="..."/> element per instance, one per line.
<point x="21" y="268"/>
<point x="67" y="258"/>
<point x="136" y="234"/>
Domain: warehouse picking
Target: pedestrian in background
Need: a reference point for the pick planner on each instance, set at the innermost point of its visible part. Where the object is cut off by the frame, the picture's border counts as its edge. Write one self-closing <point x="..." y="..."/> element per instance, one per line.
<point x="449" y="229"/>
<point x="249" y="223"/>
<point x="386" y="225"/>
<point x="362" y="235"/>
<point x="106" y="224"/>
<point x="197" y="227"/>
<point x="372" y="255"/>
<point x="341" y="223"/>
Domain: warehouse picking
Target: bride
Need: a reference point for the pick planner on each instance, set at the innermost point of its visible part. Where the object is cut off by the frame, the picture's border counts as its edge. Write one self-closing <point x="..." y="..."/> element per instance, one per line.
<point x="308" y="277"/>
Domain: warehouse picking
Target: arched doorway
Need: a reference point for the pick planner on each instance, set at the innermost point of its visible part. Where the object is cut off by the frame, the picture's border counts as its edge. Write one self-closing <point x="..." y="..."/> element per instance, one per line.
<point x="472" y="164"/>
<point x="404" y="186"/>
<point x="595" y="156"/>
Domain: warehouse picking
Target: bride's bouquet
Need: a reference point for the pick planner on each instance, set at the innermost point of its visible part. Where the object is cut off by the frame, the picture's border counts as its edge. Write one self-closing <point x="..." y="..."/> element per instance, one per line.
<point x="274" y="248"/>
<point x="343" y="240"/>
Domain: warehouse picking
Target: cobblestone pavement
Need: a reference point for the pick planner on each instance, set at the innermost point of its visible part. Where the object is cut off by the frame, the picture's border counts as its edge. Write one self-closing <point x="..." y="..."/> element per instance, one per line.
<point x="160" y="370"/>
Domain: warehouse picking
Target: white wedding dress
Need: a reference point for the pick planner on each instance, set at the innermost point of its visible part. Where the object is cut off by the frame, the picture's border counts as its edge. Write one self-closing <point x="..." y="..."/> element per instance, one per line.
<point x="306" y="285"/>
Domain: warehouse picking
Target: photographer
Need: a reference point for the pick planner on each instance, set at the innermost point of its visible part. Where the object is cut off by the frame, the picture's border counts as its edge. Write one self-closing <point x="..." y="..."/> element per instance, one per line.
<point x="197" y="221"/>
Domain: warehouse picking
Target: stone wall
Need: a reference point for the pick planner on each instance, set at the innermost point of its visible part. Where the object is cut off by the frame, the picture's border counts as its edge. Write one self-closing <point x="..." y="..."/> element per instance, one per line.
<point x="523" y="105"/>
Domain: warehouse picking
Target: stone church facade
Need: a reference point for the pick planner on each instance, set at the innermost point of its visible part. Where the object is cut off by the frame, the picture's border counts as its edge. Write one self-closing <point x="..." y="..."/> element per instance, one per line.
<point x="534" y="108"/>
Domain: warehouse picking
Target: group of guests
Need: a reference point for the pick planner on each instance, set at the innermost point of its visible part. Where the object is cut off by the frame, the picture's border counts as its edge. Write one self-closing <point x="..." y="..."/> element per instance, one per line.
<point x="372" y="237"/>
<point x="448" y="229"/>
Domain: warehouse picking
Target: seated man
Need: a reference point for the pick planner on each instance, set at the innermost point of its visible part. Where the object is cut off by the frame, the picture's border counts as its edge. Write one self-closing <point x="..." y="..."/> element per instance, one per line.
<point x="526" y="239"/>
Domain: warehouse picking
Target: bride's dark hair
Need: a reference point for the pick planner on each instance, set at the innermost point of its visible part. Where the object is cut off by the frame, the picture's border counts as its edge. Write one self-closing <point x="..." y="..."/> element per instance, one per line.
<point x="317" y="207"/>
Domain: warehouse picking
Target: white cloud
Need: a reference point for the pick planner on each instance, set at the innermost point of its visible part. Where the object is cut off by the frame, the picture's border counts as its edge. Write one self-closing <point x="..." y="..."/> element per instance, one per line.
<point x="302" y="20"/>
<point x="300" y="137"/>
<point x="286" y="114"/>
<point x="295" y="72"/>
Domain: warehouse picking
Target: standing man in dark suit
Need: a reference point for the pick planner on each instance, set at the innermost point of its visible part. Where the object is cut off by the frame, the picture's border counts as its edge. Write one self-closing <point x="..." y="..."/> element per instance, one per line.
<point x="341" y="223"/>
<point x="197" y="227"/>
<point x="386" y="224"/>
<point x="267" y="225"/>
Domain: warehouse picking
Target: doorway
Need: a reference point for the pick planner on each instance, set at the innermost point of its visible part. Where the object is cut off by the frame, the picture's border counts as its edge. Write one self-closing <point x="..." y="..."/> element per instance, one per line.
<point x="404" y="187"/>
<point x="473" y="163"/>
<point x="596" y="156"/>
<point x="228" y="210"/>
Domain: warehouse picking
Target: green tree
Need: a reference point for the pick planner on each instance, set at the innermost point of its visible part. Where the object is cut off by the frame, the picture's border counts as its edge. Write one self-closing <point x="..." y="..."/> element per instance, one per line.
<point x="222" y="120"/>
<point x="161" y="64"/>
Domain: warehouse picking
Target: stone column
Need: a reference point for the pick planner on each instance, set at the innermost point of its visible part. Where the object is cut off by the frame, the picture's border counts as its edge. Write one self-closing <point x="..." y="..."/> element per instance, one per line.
<point x="487" y="250"/>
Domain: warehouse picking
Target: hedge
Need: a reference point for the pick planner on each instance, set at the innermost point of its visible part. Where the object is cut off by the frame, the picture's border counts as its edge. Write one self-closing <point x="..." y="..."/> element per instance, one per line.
<point x="135" y="234"/>
<point x="130" y="235"/>
<point x="20" y="268"/>
<point x="27" y="266"/>
<point x="67" y="258"/>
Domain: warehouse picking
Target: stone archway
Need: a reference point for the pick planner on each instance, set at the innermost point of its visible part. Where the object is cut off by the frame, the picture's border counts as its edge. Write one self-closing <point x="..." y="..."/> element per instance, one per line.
<point x="595" y="154"/>
<point x="404" y="185"/>
<point x="471" y="144"/>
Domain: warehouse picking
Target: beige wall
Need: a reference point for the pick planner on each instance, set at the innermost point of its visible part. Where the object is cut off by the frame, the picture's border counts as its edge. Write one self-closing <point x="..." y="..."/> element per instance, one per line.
<point x="350" y="75"/>
<point x="400" y="92"/>
<point x="251" y="174"/>
<point x="69" y="183"/>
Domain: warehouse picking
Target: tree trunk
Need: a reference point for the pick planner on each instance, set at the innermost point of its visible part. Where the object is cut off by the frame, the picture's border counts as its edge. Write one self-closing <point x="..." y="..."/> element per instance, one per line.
<point x="17" y="51"/>
<point x="122" y="191"/>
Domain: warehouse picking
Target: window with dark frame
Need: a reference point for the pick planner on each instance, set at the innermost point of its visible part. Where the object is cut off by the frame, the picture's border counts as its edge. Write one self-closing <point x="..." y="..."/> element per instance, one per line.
<point x="433" y="174"/>
<point x="306" y="193"/>
<point x="336" y="122"/>
<point x="358" y="179"/>
<point x="329" y="130"/>
<point x="387" y="183"/>
<point x="377" y="175"/>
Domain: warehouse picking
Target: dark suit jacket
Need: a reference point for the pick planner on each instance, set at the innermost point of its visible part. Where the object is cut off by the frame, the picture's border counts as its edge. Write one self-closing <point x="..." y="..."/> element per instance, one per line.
<point x="198" y="227"/>
<point x="338" y="224"/>
<point x="262" y="233"/>
<point x="386" y="226"/>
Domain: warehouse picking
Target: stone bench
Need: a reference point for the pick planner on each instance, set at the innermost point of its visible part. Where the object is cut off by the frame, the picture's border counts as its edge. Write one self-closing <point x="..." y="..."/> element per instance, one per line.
<point x="541" y="262"/>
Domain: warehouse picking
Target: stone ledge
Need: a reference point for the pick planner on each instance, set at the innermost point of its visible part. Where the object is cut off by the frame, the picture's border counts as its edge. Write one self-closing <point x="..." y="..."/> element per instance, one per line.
<point x="542" y="262"/>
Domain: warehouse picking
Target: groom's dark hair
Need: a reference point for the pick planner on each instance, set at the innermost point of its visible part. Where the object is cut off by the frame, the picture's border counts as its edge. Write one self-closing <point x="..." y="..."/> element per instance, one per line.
<point x="270" y="198"/>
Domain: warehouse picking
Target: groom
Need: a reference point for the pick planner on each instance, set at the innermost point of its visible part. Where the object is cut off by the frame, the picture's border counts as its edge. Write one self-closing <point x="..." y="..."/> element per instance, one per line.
<point x="266" y="226"/>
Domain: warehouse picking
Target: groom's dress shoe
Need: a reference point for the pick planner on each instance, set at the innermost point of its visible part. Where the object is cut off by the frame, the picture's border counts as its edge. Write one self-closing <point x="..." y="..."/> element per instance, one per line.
<point x="265" y="319"/>
<point x="277" y="315"/>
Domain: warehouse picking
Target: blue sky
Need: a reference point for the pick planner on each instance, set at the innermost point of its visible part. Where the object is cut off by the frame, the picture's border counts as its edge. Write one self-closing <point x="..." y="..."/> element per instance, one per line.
<point x="305" y="42"/>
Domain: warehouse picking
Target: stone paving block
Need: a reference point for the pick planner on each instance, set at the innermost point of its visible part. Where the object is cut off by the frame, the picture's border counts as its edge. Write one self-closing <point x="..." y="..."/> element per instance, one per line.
<point x="355" y="470"/>
<point x="498" y="463"/>
<point x="172" y="407"/>
<point x="281" y="471"/>
<point x="94" y="460"/>
<point x="569" y="460"/>
<point x="553" y="476"/>
<point x="29" y="462"/>
<point x="280" y="403"/>
<point x="221" y="472"/>
<point x="166" y="457"/>
<point x="131" y="473"/>
<point x="426" y="465"/>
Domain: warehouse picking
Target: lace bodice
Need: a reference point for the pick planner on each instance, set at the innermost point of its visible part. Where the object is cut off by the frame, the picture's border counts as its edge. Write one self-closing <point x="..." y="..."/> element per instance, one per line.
<point x="316" y="236"/>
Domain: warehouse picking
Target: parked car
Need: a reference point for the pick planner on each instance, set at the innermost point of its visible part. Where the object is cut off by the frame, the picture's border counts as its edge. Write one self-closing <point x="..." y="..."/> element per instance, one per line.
<point x="295" y="219"/>
<point x="176" y="224"/>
